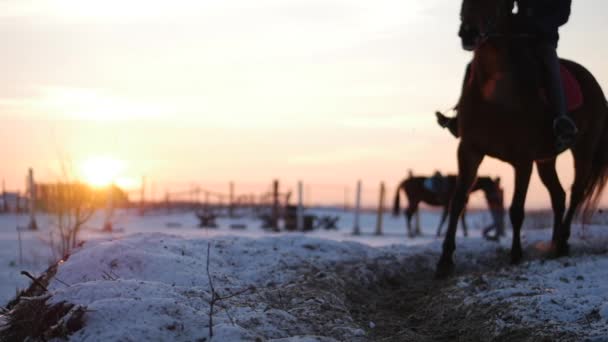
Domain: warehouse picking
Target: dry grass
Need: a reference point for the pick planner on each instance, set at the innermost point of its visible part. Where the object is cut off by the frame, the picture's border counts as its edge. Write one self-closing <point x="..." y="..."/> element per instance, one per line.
<point x="30" y="316"/>
<point x="34" y="318"/>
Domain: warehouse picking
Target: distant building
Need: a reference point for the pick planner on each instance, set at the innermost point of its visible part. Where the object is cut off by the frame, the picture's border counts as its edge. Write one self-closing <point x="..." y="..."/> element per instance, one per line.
<point x="13" y="202"/>
<point x="51" y="197"/>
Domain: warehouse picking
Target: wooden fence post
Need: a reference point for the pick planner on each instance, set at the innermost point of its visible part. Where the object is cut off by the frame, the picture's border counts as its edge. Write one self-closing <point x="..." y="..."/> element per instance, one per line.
<point x="357" y="228"/>
<point x="380" y="210"/>
<point x="153" y="201"/>
<point x="5" y="208"/>
<point x="32" y="200"/>
<point x="231" y="200"/>
<point x="107" y="225"/>
<point x="142" y="193"/>
<point x="275" y="205"/>
<point x="300" y="219"/>
<point x="197" y="198"/>
<point x="167" y="202"/>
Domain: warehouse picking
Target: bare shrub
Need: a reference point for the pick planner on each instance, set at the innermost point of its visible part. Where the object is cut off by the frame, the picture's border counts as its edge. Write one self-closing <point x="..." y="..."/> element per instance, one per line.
<point x="72" y="205"/>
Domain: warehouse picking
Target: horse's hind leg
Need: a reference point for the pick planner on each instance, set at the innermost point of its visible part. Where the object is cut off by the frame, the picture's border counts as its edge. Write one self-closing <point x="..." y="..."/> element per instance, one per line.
<point x="549" y="177"/>
<point x="581" y="173"/>
<point x="522" y="180"/>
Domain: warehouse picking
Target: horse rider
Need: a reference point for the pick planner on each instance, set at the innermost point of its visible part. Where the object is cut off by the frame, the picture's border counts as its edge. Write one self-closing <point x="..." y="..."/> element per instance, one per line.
<point x="542" y="19"/>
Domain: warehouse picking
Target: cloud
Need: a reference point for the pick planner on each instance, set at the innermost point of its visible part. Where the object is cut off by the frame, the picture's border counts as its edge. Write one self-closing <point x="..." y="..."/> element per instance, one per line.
<point x="53" y="102"/>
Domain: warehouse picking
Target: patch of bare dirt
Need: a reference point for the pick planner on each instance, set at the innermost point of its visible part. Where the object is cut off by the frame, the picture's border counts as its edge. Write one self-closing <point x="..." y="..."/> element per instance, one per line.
<point x="405" y="303"/>
<point x="393" y="298"/>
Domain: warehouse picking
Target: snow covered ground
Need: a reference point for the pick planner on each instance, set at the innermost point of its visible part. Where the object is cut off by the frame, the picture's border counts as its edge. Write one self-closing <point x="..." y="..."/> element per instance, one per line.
<point x="36" y="253"/>
<point x="151" y="281"/>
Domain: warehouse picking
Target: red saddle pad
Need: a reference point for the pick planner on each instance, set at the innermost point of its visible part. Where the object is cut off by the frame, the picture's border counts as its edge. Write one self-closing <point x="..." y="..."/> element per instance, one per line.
<point x="574" y="93"/>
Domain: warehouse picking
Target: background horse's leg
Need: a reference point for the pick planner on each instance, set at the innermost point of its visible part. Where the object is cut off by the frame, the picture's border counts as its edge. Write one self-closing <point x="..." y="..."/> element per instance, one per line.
<point x="549" y="177"/>
<point x="468" y="164"/>
<point x="463" y="219"/>
<point x="412" y="208"/>
<point x="486" y="233"/>
<point x="444" y="216"/>
<point x="418" y="233"/>
<point x="522" y="180"/>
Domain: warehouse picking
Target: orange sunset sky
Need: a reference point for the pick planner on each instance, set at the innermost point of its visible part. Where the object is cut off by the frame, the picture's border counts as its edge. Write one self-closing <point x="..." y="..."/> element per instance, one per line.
<point x="212" y="91"/>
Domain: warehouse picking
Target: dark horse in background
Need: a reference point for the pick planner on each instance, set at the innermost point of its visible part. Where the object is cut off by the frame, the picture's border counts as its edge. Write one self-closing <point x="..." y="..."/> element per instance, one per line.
<point x="502" y="114"/>
<point x="417" y="191"/>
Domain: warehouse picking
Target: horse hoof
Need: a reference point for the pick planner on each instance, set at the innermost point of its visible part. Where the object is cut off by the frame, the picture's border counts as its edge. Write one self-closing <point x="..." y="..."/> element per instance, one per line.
<point x="492" y="238"/>
<point x="555" y="250"/>
<point x="516" y="259"/>
<point x="444" y="269"/>
<point x="562" y="250"/>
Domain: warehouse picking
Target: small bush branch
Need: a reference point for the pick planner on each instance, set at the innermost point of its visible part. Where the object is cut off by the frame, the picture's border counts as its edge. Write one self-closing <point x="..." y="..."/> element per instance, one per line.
<point x="216" y="298"/>
<point x="34" y="280"/>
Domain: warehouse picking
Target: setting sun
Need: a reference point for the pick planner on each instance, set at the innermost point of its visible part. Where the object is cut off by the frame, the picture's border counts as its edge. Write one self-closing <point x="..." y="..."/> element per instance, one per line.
<point x="102" y="171"/>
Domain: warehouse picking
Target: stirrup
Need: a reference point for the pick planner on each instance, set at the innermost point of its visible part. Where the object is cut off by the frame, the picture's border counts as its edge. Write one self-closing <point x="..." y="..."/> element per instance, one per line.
<point x="564" y="125"/>
<point x="565" y="132"/>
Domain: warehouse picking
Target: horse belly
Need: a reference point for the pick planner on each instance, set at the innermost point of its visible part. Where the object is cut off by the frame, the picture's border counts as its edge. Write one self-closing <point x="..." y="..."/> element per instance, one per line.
<point x="509" y="137"/>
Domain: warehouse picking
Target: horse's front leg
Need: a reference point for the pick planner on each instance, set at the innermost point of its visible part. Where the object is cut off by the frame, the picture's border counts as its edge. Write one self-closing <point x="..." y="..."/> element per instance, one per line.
<point x="516" y="213"/>
<point x="468" y="164"/>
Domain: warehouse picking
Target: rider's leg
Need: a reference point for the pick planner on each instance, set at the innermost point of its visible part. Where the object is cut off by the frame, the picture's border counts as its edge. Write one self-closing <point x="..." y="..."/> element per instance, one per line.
<point x="564" y="128"/>
<point x="452" y="123"/>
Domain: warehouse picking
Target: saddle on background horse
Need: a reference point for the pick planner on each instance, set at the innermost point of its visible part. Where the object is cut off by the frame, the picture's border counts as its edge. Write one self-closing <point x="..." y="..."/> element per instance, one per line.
<point x="435" y="184"/>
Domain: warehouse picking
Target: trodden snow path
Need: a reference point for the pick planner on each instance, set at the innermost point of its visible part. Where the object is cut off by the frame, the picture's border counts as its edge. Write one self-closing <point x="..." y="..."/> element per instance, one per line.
<point x="153" y="286"/>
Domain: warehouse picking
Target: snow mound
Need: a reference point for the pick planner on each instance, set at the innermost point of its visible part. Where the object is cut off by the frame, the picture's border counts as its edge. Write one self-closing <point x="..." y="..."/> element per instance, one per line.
<point x="156" y="287"/>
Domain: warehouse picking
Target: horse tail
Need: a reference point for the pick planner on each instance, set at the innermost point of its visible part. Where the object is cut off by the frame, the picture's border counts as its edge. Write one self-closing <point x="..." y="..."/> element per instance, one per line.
<point x="397" y="202"/>
<point x="599" y="172"/>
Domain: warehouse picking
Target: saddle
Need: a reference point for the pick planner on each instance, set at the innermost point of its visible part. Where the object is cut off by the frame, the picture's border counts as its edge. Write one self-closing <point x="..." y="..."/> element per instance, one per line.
<point x="571" y="86"/>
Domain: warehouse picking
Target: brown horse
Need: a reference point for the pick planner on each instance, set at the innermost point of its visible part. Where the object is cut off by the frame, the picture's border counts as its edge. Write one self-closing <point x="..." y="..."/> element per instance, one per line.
<point x="502" y="115"/>
<point x="416" y="191"/>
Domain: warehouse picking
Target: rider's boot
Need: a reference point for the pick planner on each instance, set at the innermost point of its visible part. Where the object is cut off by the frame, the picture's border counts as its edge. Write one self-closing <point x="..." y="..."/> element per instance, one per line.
<point x="450" y="123"/>
<point x="564" y="127"/>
